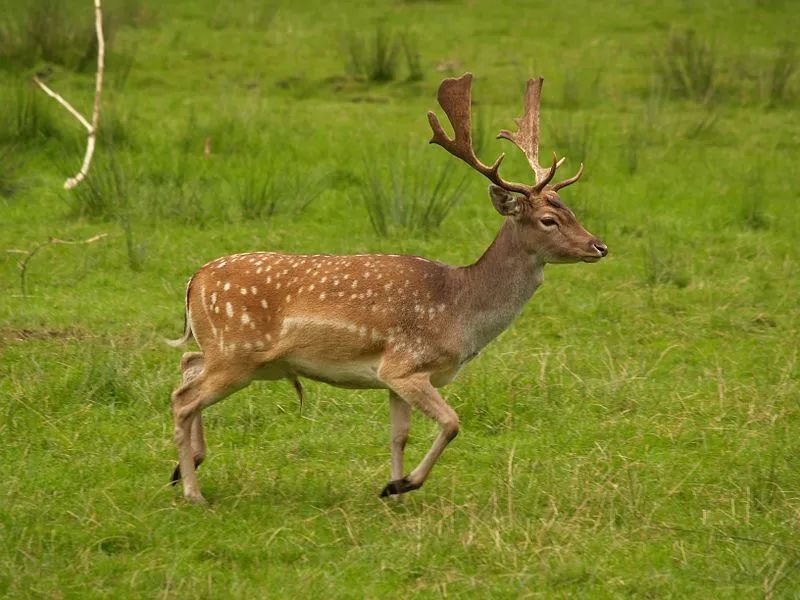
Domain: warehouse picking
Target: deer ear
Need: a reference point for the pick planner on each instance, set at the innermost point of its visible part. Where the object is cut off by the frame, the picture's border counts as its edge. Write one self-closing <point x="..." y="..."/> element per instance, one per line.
<point x="506" y="203"/>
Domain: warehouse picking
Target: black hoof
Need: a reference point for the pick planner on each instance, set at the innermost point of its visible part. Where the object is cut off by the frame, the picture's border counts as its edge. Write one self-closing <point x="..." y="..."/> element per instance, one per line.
<point x="176" y="474"/>
<point x="398" y="486"/>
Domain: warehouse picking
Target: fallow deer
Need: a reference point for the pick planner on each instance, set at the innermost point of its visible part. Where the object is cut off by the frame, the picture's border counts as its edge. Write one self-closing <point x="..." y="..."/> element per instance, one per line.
<point x="402" y="323"/>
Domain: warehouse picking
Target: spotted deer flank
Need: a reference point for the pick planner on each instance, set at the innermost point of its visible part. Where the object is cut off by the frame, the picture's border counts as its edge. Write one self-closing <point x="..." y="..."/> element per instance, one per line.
<point x="376" y="321"/>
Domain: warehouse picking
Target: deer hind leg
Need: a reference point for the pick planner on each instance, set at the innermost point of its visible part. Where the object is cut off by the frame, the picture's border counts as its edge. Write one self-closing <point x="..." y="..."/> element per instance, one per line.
<point x="400" y="415"/>
<point x="418" y="392"/>
<point x="208" y="386"/>
<point x="191" y="367"/>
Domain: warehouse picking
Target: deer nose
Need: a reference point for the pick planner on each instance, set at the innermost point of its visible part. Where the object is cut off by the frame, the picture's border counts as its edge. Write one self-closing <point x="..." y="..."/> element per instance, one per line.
<point x="601" y="248"/>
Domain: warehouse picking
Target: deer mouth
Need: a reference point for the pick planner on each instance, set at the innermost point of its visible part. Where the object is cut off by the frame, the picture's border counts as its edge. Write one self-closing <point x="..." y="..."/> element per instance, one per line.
<point x="591" y="258"/>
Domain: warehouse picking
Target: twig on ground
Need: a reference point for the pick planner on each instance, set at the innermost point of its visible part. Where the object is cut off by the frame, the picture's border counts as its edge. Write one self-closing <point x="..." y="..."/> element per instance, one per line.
<point x="91" y="128"/>
<point x="29" y="254"/>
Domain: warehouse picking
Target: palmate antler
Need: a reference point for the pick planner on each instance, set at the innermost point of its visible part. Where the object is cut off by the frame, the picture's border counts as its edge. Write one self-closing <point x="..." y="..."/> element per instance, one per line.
<point x="454" y="97"/>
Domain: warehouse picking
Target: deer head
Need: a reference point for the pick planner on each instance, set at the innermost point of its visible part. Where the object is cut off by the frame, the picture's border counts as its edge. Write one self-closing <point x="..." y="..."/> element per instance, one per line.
<point x="545" y="226"/>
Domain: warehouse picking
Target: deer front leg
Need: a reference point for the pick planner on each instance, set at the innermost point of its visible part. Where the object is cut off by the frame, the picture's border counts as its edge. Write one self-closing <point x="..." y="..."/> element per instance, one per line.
<point x="400" y="416"/>
<point x="417" y="391"/>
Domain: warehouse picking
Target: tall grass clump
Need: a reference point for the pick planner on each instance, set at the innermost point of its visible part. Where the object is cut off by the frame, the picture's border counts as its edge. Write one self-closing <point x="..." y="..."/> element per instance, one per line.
<point x="46" y="30"/>
<point x="634" y="140"/>
<point x="376" y="58"/>
<point x="180" y="188"/>
<point x="105" y="194"/>
<point x="782" y="70"/>
<point x="689" y="66"/>
<point x="25" y="118"/>
<point x="406" y="192"/>
<point x="63" y="33"/>
<point x="752" y="214"/>
<point x="10" y="164"/>
<point x="413" y="58"/>
<point x="662" y="265"/>
<point x="262" y="192"/>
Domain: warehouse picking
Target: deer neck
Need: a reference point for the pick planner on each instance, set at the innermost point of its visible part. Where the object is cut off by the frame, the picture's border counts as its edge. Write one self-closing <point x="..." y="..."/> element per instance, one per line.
<point x="497" y="287"/>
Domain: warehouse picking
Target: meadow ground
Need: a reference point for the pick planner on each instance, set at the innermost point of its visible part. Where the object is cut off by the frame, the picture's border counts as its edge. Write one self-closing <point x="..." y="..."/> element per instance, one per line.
<point x="635" y="433"/>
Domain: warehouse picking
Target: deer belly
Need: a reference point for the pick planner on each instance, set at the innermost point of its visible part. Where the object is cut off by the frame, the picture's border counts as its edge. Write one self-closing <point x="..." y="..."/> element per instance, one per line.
<point x="361" y="373"/>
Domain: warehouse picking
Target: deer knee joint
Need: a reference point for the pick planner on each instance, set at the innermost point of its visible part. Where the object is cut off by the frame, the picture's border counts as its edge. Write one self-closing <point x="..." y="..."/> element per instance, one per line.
<point x="400" y="439"/>
<point x="450" y="427"/>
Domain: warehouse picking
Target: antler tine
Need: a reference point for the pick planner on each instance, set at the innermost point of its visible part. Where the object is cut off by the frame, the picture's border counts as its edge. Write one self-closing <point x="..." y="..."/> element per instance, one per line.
<point x="570" y="181"/>
<point x="548" y="175"/>
<point x="454" y="97"/>
<point x="527" y="136"/>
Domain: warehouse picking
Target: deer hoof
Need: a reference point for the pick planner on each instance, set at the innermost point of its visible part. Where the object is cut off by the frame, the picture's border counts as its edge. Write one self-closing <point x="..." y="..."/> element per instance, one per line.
<point x="399" y="486"/>
<point x="197" y="500"/>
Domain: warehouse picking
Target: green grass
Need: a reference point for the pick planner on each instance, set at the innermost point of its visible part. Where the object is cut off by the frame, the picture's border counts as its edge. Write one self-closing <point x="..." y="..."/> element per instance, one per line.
<point x="635" y="433"/>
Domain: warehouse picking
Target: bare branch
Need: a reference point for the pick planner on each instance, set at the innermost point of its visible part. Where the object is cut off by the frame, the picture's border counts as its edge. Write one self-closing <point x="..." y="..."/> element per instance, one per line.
<point x="60" y="99"/>
<point x="91" y="128"/>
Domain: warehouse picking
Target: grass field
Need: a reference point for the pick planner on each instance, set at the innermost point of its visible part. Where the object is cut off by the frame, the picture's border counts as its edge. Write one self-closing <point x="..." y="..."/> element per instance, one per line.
<point x="635" y="433"/>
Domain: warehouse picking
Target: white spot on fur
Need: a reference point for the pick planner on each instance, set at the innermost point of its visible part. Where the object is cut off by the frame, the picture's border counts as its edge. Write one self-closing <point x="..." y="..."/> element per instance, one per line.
<point x="253" y="290"/>
<point x="263" y="303"/>
<point x="245" y="318"/>
<point x="243" y="291"/>
<point x="227" y="286"/>
<point x="322" y="296"/>
<point x="229" y="309"/>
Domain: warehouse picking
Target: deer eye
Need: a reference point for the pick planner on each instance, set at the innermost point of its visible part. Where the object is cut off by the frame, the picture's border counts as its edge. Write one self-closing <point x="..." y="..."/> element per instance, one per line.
<point x="548" y="221"/>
